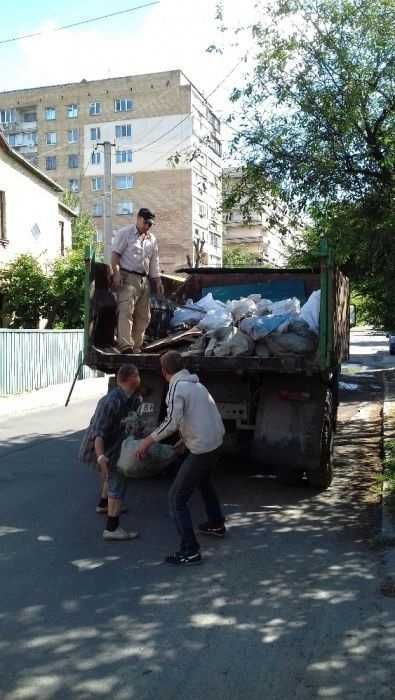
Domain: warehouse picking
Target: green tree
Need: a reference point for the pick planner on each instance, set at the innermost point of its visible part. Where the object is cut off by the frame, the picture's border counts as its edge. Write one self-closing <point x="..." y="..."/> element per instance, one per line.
<point x="316" y="132"/>
<point x="67" y="284"/>
<point x="25" y="290"/>
<point x="238" y="257"/>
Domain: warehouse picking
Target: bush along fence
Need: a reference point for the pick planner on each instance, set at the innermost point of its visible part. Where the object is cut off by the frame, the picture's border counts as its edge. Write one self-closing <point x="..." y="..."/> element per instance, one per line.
<point x="34" y="359"/>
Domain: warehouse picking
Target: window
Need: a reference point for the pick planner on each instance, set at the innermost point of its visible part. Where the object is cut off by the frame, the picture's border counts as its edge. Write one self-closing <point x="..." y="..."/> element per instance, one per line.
<point x="96" y="184"/>
<point x="29" y="117"/>
<point x="123" y="105"/>
<point x="94" y="108"/>
<point x="73" y="160"/>
<point x="50" y="113"/>
<point x="61" y="231"/>
<point x="123" y="156"/>
<point x="95" y="158"/>
<point x="215" y="145"/>
<point x="51" y="138"/>
<point x="202" y="210"/>
<point x="74" y="185"/>
<point x="95" y="133"/>
<point x="214" y="240"/>
<point x="97" y="209"/>
<point x="123" y="130"/>
<point x="124" y="208"/>
<point x="124" y="182"/>
<point x="72" y="136"/>
<point x="7" y="116"/>
<point x="3" y="228"/>
<point x="50" y="163"/>
<point x="72" y="111"/>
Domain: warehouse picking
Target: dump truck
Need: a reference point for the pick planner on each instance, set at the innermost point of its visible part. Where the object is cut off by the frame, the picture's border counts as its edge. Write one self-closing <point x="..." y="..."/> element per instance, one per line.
<point x="280" y="412"/>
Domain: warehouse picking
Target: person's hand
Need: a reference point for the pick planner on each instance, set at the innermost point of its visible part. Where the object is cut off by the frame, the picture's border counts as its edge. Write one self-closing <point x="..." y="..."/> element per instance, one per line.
<point x="103" y="465"/>
<point x="180" y="447"/>
<point x="159" y="290"/>
<point x="144" y="447"/>
<point x="117" y="280"/>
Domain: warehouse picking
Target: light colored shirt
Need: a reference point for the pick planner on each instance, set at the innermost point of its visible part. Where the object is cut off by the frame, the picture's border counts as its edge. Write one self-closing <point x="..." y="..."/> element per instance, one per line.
<point x="139" y="253"/>
<point x="192" y="411"/>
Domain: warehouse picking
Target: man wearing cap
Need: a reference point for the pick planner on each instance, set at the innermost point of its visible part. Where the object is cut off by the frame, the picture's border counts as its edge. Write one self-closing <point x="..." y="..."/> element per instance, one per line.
<point x="135" y="262"/>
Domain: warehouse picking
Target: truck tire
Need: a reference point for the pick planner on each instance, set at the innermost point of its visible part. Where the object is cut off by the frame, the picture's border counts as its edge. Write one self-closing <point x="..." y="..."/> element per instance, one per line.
<point x="321" y="477"/>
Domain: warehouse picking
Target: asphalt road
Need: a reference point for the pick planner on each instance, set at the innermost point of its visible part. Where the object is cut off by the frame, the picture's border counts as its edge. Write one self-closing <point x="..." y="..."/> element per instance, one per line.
<point x="288" y="606"/>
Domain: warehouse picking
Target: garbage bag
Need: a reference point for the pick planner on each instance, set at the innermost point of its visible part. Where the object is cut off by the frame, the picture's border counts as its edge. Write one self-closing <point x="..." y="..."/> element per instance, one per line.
<point x="310" y="311"/>
<point x="215" y="318"/>
<point x="208" y="303"/>
<point x="291" y="343"/>
<point x="186" y="315"/>
<point x="242" y="308"/>
<point x="261" y="326"/>
<point x="157" y="458"/>
<point x="286" y="306"/>
<point x="235" y="343"/>
<point x="264" y="307"/>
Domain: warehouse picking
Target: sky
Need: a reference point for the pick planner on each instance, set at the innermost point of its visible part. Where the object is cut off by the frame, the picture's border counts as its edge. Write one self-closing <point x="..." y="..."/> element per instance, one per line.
<point x="172" y="34"/>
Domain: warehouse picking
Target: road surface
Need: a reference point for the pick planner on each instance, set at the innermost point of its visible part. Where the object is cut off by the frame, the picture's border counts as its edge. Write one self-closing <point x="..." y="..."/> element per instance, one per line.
<point x="288" y="606"/>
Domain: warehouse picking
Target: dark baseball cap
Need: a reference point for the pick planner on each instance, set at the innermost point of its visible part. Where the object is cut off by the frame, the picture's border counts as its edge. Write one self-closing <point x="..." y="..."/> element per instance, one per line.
<point x="146" y="214"/>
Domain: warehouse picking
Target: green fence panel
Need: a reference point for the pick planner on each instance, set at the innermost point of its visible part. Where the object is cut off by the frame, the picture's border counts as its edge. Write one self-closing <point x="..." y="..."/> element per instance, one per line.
<point x="34" y="359"/>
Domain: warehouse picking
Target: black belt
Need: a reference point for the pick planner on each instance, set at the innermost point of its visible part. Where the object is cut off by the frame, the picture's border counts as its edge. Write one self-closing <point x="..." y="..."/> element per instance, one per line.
<point x="133" y="272"/>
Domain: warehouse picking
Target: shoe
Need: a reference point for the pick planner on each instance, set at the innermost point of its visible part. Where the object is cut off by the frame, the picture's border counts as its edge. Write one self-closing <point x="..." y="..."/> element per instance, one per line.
<point x="102" y="510"/>
<point x="119" y="535"/>
<point x="180" y="559"/>
<point x="207" y="529"/>
<point x="127" y="351"/>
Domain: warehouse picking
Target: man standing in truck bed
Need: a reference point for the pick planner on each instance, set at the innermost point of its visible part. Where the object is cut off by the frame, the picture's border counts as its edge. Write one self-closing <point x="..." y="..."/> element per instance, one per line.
<point x="135" y="263"/>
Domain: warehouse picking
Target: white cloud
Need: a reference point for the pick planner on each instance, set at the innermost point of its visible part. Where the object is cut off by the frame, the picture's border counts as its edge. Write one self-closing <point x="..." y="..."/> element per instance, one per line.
<point x="174" y="34"/>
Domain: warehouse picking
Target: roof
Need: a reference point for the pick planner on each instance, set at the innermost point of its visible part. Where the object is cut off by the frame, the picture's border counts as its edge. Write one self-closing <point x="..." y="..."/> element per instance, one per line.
<point x="67" y="209"/>
<point x="26" y="164"/>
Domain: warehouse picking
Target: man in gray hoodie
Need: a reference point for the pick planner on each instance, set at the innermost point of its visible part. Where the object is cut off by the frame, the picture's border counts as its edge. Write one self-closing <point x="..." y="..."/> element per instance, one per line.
<point x="191" y="410"/>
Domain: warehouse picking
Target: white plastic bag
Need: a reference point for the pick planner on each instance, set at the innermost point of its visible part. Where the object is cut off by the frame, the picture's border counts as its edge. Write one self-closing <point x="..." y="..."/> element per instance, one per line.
<point x="242" y="308"/>
<point x="286" y="306"/>
<point x="185" y="315"/>
<point x="264" y="307"/>
<point x="215" y="318"/>
<point x="208" y="303"/>
<point x="157" y="458"/>
<point x="310" y="311"/>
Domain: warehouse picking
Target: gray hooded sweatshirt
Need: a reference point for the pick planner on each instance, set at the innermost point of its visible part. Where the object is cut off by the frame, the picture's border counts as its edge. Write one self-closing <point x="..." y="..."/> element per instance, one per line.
<point x="192" y="411"/>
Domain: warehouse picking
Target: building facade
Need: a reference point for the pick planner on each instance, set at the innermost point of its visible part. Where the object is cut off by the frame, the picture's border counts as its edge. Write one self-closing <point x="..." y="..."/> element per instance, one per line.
<point x="148" y="119"/>
<point x="257" y="236"/>
<point x="32" y="219"/>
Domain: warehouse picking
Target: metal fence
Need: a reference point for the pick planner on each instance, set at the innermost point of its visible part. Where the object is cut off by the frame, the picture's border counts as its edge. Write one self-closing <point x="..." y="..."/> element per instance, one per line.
<point x="33" y="359"/>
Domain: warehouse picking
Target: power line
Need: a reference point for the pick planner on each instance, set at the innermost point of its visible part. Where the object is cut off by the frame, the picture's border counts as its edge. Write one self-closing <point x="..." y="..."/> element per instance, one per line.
<point x="78" y="24"/>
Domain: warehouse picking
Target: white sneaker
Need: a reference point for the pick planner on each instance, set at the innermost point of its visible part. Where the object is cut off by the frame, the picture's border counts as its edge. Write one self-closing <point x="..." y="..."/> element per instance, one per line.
<point x="119" y="535"/>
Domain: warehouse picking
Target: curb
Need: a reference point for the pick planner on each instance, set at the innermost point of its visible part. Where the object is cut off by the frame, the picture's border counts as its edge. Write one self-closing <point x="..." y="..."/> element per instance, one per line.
<point x="388" y="517"/>
<point x="387" y="537"/>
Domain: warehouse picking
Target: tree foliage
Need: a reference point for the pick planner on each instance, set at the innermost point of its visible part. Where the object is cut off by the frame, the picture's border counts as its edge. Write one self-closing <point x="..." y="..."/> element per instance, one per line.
<point x="30" y="294"/>
<point x="238" y="257"/>
<point x="316" y="131"/>
<point x="25" y="290"/>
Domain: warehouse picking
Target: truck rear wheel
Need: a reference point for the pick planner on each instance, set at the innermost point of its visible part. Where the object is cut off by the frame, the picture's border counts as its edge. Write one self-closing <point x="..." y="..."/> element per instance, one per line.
<point x="321" y="477"/>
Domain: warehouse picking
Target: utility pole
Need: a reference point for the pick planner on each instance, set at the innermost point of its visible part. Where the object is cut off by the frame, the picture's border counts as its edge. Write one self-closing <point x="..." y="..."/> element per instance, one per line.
<point x="107" y="209"/>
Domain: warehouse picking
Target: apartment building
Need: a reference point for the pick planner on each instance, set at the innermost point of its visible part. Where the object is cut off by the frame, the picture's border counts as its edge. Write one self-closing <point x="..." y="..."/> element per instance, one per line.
<point x="257" y="236"/>
<point x="147" y="118"/>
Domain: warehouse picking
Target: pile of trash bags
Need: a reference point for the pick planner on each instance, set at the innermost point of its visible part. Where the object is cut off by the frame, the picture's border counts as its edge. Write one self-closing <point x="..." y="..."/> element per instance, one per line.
<point x="251" y="325"/>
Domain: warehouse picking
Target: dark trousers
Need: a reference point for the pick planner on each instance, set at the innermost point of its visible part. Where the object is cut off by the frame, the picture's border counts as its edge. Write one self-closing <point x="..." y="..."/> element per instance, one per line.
<point x="194" y="473"/>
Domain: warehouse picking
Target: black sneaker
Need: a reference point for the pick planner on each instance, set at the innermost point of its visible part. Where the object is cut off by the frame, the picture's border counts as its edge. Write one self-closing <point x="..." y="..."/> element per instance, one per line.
<point x="215" y="530"/>
<point x="179" y="559"/>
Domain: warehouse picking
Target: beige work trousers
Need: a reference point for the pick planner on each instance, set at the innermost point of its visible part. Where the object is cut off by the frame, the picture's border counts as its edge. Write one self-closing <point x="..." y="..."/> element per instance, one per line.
<point x="133" y="310"/>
